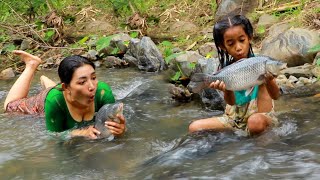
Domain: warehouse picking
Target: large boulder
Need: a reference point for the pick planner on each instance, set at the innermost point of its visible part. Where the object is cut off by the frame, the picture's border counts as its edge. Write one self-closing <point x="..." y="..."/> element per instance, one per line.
<point x="145" y="55"/>
<point x="243" y="7"/>
<point x="291" y="46"/>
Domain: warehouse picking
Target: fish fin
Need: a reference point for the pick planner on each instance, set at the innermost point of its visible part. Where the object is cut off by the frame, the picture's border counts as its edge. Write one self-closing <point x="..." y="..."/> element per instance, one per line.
<point x="249" y="91"/>
<point x="197" y="83"/>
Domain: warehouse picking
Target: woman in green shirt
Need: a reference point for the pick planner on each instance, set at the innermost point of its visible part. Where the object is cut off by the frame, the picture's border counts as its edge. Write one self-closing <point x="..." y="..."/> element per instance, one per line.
<point x="69" y="105"/>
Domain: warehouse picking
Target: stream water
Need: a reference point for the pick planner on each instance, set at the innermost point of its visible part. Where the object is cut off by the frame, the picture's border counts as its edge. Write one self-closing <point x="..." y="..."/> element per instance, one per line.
<point x="156" y="144"/>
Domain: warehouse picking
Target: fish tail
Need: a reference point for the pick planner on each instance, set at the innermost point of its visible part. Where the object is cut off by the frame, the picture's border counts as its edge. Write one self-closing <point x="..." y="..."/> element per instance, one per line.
<point x="198" y="82"/>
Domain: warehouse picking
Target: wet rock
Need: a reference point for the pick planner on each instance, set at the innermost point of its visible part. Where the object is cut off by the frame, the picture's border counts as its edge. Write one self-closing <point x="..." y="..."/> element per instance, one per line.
<point x="25" y="44"/>
<point x="183" y="61"/>
<point x="145" y="55"/>
<point x="213" y="99"/>
<point x="179" y="93"/>
<point x="112" y="61"/>
<point x="235" y="7"/>
<point x="120" y="41"/>
<point x="208" y="66"/>
<point x="92" y="55"/>
<point x="316" y="71"/>
<point x="7" y="73"/>
<point x="299" y="71"/>
<point x="208" y="48"/>
<point x="291" y="46"/>
<point x="293" y="79"/>
<point x="301" y="90"/>
<point x="50" y="63"/>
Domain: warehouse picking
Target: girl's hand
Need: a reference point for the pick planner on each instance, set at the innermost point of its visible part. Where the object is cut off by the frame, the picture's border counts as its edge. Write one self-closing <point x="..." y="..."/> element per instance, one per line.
<point x="218" y="85"/>
<point x="89" y="132"/>
<point x="268" y="78"/>
<point x="115" y="128"/>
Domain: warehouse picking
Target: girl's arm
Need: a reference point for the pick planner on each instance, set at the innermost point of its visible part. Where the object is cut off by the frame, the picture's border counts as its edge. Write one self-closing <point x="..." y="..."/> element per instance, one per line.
<point x="272" y="87"/>
<point x="228" y="95"/>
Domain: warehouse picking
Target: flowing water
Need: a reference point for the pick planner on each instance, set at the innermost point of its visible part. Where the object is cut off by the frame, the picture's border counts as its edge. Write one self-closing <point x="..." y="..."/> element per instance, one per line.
<point x="156" y="144"/>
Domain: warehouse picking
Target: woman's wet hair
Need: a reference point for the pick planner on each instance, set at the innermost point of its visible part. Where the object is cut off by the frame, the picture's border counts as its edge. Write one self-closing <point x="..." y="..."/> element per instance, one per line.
<point x="69" y="65"/>
<point x="221" y="27"/>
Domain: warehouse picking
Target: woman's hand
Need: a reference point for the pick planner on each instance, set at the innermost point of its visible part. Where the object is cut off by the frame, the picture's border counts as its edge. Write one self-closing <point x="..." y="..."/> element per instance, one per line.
<point x="115" y="128"/>
<point x="218" y="85"/>
<point x="89" y="132"/>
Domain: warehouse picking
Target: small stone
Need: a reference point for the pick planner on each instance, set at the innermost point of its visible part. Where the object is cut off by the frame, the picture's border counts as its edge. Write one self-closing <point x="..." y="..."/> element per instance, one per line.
<point x="293" y="79"/>
<point x="7" y="73"/>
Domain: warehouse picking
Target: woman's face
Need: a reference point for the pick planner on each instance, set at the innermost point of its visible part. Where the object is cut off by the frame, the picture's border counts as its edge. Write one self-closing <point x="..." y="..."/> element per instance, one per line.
<point x="83" y="85"/>
<point x="236" y="42"/>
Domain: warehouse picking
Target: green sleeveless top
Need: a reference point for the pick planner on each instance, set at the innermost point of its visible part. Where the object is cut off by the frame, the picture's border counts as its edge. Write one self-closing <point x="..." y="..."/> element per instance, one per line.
<point x="241" y="97"/>
<point x="57" y="115"/>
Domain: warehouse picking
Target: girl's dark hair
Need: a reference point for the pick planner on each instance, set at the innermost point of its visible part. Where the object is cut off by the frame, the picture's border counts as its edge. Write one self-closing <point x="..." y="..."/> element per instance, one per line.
<point x="220" y="28"/>
<point x="69" y="64"/>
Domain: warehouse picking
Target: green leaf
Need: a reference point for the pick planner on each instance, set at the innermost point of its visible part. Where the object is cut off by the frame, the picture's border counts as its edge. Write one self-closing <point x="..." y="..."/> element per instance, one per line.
<point x="176" y="76"/>
<point x="49" y="35"/>
<point x="315" y="48"/>
<point x="83" y="40"/>
<point x="167" y="44"/>
<point x="134" y="34"/>
<point x="318" y="62"/>
<point x="9" y="48"/>
<point x="103" y="42"/>
<point x="192" y="65"/>
<point x="115" y="51"/>
<point x="172" y="56"/>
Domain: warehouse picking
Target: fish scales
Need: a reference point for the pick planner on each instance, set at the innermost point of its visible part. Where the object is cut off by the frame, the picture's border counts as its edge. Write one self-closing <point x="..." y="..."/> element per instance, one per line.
<point x="240" y="75"/>
<point x="107" y="112"/>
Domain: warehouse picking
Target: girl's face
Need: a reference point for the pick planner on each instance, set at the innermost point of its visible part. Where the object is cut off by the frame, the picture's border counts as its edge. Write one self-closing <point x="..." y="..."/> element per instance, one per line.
<point x="83" y="85"/>
<point x="236" y="42"/>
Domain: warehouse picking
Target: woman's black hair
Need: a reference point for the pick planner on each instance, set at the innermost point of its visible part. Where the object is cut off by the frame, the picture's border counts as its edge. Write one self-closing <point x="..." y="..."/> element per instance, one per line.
<point x="220" y="28"/>
<point x="69" y="64"/>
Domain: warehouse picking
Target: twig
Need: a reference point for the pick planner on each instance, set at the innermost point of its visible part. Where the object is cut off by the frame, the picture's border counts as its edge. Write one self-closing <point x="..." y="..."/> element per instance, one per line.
<point x="16" y="31"/>
<point x="52" y="47"/>
<point x="26" y="23"/>
<point x="282" y="8"/>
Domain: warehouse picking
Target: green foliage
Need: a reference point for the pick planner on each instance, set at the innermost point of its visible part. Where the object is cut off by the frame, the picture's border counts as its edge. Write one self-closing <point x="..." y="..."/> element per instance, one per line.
<point x="214" y="5"/>
<point x="103" y="43"/>
<point x="172" y="56"/>
<point x="122" y="7"/>
<point x="48" y="35"/>
<point x="134" y="34"/>
<point x="177" y="76"/>
<point x="261" y="29"/>
<point x="8" y="48"/>
<point x="167" y="48"/>
<point x="315" y="49"/>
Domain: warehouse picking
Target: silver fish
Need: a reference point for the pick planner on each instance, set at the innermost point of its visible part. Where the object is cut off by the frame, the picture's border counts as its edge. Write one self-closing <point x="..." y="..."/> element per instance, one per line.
<point x="107" y="112"/>
<point x="241" y="75"/>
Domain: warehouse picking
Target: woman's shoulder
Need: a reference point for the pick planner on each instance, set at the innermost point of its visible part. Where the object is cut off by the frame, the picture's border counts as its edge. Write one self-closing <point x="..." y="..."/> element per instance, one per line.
<point x="55" y="94"/>
<point x="103" y="85"/>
